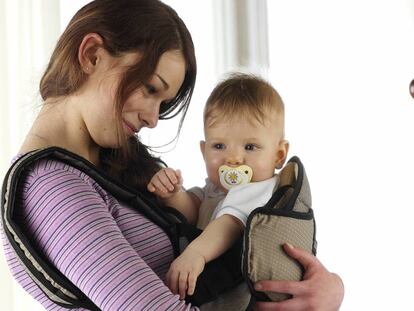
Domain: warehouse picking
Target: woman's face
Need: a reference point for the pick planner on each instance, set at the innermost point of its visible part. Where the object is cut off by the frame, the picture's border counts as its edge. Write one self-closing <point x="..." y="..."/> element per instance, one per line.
<point x="142" y="107"/>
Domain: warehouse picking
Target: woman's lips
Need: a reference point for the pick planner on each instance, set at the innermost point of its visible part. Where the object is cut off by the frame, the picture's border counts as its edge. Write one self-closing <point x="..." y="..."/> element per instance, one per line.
<point x="131" y="129"/>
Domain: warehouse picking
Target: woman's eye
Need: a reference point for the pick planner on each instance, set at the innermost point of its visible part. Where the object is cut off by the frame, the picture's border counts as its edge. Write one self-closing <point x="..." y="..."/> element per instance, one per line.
<point x="218" y="146"/>
<point x="150" y="89"/>
<point x="250" y="147"/>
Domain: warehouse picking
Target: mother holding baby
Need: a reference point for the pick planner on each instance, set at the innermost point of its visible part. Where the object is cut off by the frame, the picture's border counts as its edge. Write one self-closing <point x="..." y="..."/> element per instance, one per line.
<point x="118" y="67"/>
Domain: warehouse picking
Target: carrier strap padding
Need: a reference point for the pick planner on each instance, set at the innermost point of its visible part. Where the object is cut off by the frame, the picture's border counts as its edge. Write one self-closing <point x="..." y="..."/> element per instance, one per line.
<point x="51" y="281"/>
<point x="300" y="199"/>
<point x="289" y="215"/>
<point x="120" y="191"/>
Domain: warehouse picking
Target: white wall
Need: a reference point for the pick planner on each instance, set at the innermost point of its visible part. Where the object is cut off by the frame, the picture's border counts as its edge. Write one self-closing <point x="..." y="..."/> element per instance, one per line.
<point x="343" y="69"/>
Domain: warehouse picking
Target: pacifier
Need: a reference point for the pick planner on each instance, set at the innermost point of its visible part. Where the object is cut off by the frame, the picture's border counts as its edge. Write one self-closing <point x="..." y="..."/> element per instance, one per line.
<point x="234" y="176"/>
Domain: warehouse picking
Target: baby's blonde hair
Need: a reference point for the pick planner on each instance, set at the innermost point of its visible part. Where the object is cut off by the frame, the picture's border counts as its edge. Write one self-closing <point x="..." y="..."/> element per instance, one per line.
<point x="243" y="96"/>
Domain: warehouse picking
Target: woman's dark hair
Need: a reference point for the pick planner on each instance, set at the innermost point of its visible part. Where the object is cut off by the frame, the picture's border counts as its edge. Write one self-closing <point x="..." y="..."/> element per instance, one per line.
<point x="146" y="26"/>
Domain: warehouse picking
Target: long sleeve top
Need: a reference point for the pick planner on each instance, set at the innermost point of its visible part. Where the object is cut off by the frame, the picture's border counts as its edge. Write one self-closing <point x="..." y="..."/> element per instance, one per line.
<point x="110" y="251"/>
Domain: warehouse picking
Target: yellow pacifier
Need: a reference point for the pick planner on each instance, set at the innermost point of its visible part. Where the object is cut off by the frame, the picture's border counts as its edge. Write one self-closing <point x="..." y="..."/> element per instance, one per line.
<point x="234" y="176"/>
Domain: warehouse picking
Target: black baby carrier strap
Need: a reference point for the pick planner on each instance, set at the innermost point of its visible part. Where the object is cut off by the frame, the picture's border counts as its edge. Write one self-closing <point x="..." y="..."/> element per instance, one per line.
<point x="50" y="280"/>
<point x="219" y="275"/>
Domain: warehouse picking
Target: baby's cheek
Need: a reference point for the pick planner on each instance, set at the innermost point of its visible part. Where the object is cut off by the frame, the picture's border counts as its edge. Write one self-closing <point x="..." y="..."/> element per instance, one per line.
<point x="212" y="174"/>
<point x="263" y="171"/>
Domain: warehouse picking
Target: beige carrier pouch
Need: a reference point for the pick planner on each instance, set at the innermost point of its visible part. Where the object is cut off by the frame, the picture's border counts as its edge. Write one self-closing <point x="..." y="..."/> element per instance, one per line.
<point x="286" y="218"/>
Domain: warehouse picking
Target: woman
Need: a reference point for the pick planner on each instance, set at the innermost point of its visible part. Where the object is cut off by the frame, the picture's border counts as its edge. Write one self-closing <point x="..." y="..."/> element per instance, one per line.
<point x="118" y="67"/>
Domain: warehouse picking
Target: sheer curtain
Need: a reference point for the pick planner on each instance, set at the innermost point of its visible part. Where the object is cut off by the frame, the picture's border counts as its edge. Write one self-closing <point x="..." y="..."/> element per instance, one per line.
<point x="28" y="32"/>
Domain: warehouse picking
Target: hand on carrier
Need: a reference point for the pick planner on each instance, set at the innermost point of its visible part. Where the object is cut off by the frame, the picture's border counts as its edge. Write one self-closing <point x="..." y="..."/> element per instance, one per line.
<point x="319" y="290"/>
<point x="166" y="182"/>
<point x="182" y="276"/>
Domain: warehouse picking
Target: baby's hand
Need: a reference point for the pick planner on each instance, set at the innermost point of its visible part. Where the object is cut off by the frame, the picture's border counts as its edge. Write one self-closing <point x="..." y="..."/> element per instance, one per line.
<point x="165" y="183"/>
<point x="183" y="273"/>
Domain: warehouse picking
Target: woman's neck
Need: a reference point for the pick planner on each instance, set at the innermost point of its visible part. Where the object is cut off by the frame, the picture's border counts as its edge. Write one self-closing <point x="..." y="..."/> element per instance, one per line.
<point x="60" y="123"/>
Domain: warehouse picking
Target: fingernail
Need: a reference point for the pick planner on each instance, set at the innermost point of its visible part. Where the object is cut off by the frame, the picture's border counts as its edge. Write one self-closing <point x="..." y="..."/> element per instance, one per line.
<point x="258" y="287"/>
<point x="289" y="245"/>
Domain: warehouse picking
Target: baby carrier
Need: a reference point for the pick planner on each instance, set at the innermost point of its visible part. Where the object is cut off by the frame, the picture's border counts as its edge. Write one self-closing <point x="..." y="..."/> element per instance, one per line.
<point x="287" y="217"/>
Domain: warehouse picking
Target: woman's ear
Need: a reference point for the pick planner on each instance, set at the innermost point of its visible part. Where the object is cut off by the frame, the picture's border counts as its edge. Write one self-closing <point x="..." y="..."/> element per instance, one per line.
<point x="87" y="54"/>
<point x="282" y="152"/>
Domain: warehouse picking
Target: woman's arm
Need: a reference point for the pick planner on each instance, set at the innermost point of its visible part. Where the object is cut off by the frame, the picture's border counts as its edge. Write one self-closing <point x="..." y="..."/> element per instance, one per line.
<point x="86" y="239"/>
<point x="320" y="289"/>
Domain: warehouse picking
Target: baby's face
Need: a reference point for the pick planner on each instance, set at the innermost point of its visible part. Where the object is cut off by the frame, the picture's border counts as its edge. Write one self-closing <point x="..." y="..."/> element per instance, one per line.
<point x="239" y="141"/>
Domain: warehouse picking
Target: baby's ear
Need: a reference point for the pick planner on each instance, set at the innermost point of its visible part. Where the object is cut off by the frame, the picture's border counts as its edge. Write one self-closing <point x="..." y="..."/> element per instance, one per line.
<point x="203" y="148"/>
<point x="282" y="152"/>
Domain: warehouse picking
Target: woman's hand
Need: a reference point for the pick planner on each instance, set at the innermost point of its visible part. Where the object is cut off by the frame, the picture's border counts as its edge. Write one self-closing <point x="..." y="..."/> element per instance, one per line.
<point x="320" y="290"/>
<point x="165" y="183"/>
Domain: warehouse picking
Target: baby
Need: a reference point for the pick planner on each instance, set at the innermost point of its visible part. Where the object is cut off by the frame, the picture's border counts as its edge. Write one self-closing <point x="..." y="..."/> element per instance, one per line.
<point x="244" y="144"/>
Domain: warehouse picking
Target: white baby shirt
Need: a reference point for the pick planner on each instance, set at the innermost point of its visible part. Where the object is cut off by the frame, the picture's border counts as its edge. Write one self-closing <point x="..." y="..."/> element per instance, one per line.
<point x="239" y="202"/>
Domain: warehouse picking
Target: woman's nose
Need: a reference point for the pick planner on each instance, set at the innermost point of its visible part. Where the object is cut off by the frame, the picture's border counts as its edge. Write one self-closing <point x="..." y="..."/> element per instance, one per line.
<point x="152" y="115"/>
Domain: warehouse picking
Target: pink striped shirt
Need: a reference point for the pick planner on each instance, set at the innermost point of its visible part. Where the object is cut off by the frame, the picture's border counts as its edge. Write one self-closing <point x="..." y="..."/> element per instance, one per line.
<point x="110" y="251"/>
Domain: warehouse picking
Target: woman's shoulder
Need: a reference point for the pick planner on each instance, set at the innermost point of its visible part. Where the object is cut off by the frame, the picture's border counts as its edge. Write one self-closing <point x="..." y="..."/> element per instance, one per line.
<point x="53" y="172"/>
<point x="47" y="166"/>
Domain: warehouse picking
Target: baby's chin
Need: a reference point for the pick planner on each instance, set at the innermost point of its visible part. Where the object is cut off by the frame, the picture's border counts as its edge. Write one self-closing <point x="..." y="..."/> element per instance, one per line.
<point x="218" y="185"/>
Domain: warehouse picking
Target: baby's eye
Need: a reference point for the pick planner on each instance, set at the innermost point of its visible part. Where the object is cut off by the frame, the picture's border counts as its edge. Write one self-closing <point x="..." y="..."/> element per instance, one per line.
<point x="250" y="147"/>
<point x="218" y="146"/>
